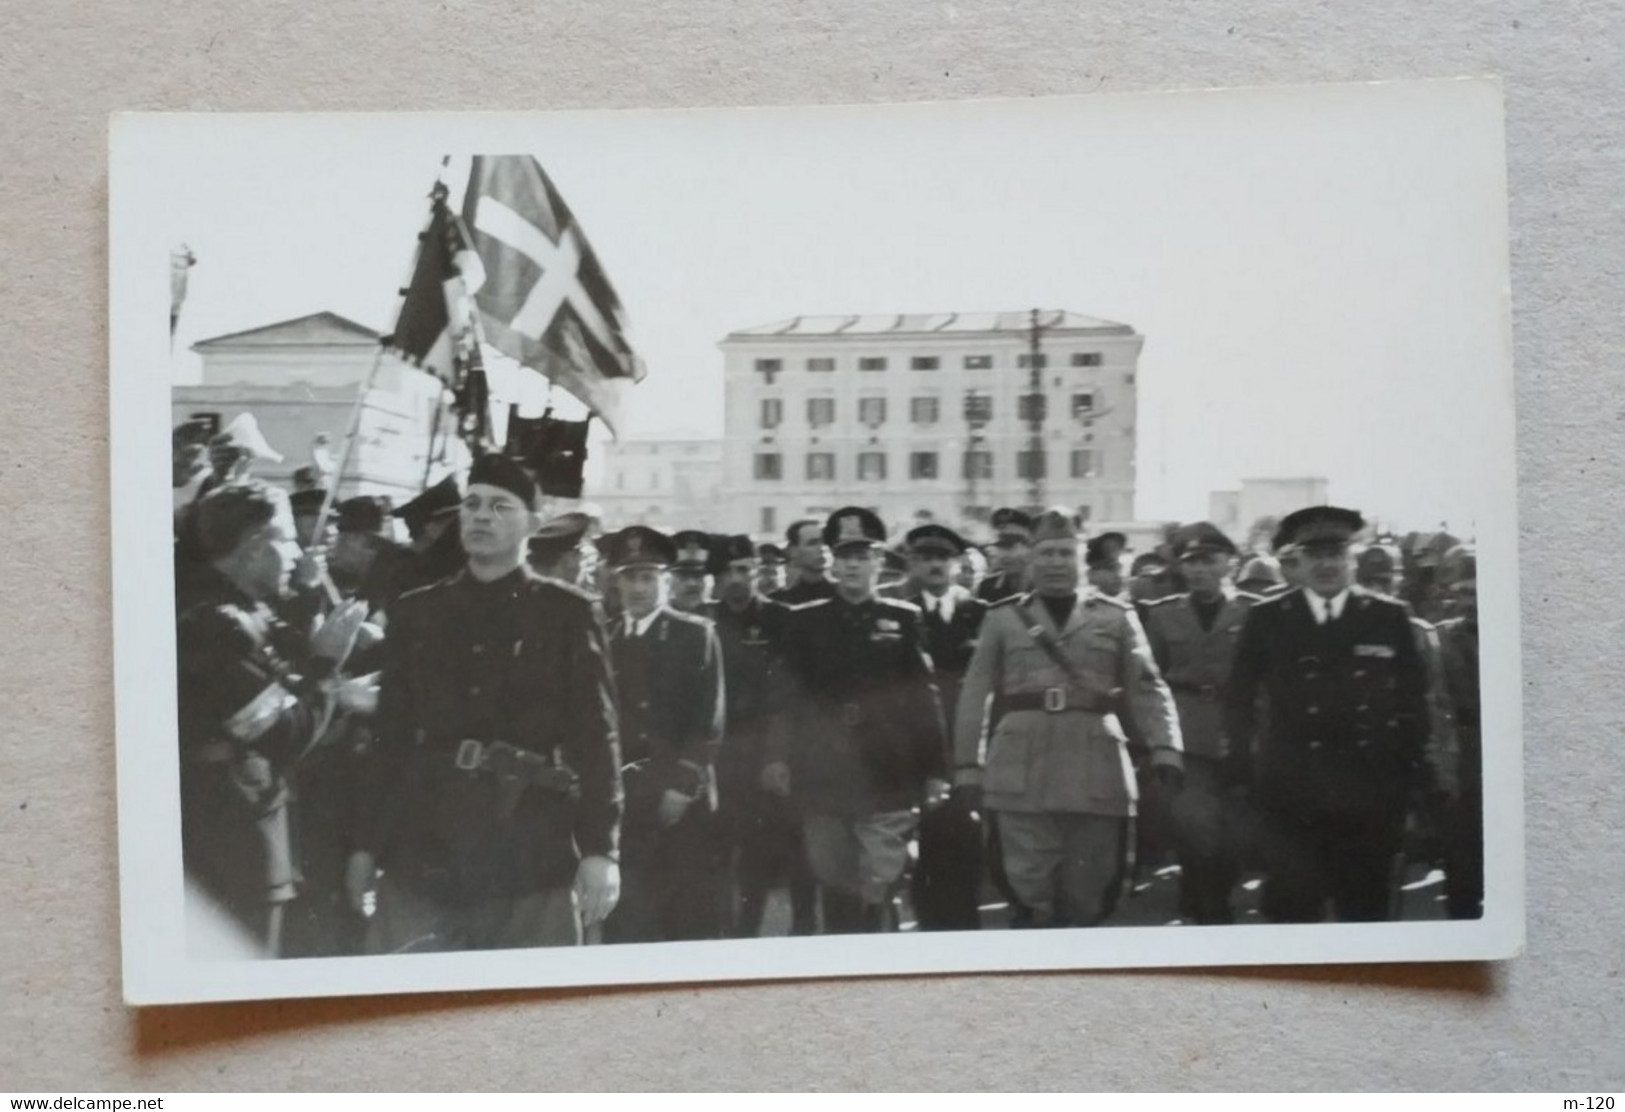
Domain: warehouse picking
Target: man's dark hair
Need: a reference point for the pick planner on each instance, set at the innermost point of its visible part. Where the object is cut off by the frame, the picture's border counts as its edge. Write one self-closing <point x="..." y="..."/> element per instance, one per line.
<point x="790" y="534"/>
<point x="229" y="513"/>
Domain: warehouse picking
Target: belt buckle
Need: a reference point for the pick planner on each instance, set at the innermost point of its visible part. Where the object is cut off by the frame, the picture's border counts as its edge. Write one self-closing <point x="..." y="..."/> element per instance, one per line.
<point x="469" y="752"/>
<point x="851" y="714"/>
<point x="1054" y="699"/>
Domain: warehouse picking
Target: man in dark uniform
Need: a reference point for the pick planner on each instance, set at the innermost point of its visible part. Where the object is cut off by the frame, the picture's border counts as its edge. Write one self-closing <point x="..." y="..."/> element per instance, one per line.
<point x="496" y="807"/>
<point x="691" y="574"/>
<point x="1464" y="825"/>
<point x="860" y="742"/>
<point x="1343" y="752"/>
<point x="1193" y="637"/>
<point x="365" y="562"/>
<point x="763" y="829"/>
<point x="431" y="521"/>
<point x="255" y="697"/>
<point x="947" y="881"/>
<point x="809" y="565"/>
<point x="770" y="561"/>
<point x="1011" y="551"/>
<point x="668" y="670"/>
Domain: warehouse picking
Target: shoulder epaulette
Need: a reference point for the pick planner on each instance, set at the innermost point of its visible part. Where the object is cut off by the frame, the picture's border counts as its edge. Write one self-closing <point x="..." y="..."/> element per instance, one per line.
<point x="1121" y="604"/>
<point x="898" y="604"/>
<point x="548" y="582"/>
<point x="692" y="619"/>
<point x="1007" y="600"/>
<point x="1249" y="597"/>
<point x="1165" y="599"/>
<point x="1276" y="600"/>
<point x="810" y="604"/>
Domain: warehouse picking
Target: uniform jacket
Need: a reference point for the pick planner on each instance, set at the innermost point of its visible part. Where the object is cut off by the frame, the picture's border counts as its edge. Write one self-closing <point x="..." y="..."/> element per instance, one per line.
<point x="251" y="706"/>
<point x="996" y="588"/>
<point x="861" y="726"/>
<point x="1195" y="662"/>
<point x="520" y="660"/>
<point x="1348" y="713"/>
<point x="672" y="708"/>
<point x="1458" y="654"/>
<point x="1072" y="760"/>
<point x="801" y="591"/>
<point x="750" y="669"/>
<point x="1441" y="752"/>
<point x="950" y="644"/>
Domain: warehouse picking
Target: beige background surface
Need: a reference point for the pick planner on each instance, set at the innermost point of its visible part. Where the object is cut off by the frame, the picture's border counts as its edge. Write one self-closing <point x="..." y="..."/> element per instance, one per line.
<point x="1551" y="1019"/>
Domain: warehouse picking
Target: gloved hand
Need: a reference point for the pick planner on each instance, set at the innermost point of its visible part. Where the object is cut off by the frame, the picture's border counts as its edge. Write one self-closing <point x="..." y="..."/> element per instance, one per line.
<point x="598" y="889"/>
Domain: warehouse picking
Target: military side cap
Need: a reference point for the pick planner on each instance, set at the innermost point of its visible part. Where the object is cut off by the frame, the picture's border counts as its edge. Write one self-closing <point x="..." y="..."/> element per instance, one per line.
<point x="854" y="525"/>
<point x="364" y="514"/>
<point x="1318" y="523"/>
<point x="504" y="473"/>
<point x="693" y="549"/>
<point x="1053" y="525"/>
<point x="1203" y="536"/>
<point x="933" y="539"/>
<point x="307" y="501"/>
<point x="1104" y="550"/>
<point x="770" y="553"/>
<point x="442" y="498"/>
<point x="1012" y="525"/>
<point x="638" y="546"/>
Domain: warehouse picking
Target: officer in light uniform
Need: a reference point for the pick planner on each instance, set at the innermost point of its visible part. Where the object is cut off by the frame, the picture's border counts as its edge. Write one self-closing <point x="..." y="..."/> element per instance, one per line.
<point x="1193" y="637"/>
<point x="1056" y="770"/>
<point x="861" y="743"/>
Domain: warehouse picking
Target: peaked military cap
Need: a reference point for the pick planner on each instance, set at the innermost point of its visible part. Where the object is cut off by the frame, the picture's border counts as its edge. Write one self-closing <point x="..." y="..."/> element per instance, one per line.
<point x="504" y="473"/>
<point x="854" y="525"/>
<point x="1377" y="557"/>
<point x="1318" y="523"/>
<point x="444" y="497"/>
<point x="1104" y="550"/>
<point x="934" y="539"/>
<point x="725" y="549"/>
<point x="363" y="514"/>
<point x="1053" y="525"/>
<point x="558" y="535"/>
<point x="771" y="553"/>
<point x="693" y="549"/>
<point x="1147" y="563"/>
<point x="1012" y="525"/>
<point x="1202" y="536"/>
<point x="638" y="546"/>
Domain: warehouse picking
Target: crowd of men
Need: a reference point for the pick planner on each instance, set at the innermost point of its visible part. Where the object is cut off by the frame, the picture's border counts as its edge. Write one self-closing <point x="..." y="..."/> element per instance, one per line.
<point x="519" y="730"/>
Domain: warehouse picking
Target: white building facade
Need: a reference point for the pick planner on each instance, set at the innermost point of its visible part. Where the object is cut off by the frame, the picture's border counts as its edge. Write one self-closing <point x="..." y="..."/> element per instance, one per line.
<point x="669" y="484"/>
<point x="1238" y="512"/>
<point x="927" y="417"/>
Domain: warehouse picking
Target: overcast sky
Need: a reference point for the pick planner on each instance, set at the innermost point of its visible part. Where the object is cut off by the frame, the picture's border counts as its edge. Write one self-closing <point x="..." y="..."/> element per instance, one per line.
<point x="1319" y="273"/>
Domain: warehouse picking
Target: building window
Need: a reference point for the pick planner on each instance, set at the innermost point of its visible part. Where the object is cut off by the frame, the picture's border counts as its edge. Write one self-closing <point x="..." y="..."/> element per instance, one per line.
<point x="769" y="465"/>
<point x="1030" y="464"/>
<point x="872" y="412"/>
<point x="978" y="362"/>
<point x="922" y="465"/>
<point x="769" y="520"/>
<point x="1086" y="358"/>
<point x="872" y="363"/>
<point x="1025" y="360"/>
<point x="821" y="466"/>
<point x="768" y="368"/>
<point x="1083" y="463"/>
<point x="978" y="464"/>
<point x="924" y="363"/>
<point x="822" y="363"/>
<point x="978" y="408"/>
<point x="820" y="412"/>
<point x="1082" y="405"/>
<point x="772" y="413"/>
<point x="1032" y="407"/>
<point x="871" y="466"/>
<point x="923" y="411"/>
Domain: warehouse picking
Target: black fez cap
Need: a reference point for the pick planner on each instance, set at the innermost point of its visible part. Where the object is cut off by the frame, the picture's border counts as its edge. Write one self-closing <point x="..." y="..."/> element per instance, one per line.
<point x="933" y="538"/>
<point x="1203" y="536"/>
<point x="444" y="497"/>
<point x="1012" y="523"/>
<point x="1317" y="523"/>
<point x="693" y="549"/>
<point x="639" y="546"/>
<point x="1104" y="550"/>
<point x="725" y="549"/>
<point x="770" y="553"/>
<point x="506" y="474"/>
<point x="853" y="525"/>
<point x="363" y="514"/>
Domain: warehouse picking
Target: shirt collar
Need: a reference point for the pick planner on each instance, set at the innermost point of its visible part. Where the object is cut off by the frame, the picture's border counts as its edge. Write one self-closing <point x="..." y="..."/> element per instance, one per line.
<point x="1318" y="605"/>
<point x="637" y="627"/>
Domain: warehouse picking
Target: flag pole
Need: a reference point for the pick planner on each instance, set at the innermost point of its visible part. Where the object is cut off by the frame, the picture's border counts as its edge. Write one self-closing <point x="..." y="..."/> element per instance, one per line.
<point x="343" y="463"/>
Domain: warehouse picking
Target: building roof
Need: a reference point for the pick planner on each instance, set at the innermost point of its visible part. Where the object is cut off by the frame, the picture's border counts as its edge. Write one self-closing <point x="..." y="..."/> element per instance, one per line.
<point x="316" y="330"/>
<point x="927" y="324"/>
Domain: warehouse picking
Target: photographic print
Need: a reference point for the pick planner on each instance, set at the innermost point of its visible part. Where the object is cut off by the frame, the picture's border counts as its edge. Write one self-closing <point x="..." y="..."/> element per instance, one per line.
<point x="625" y="547"/>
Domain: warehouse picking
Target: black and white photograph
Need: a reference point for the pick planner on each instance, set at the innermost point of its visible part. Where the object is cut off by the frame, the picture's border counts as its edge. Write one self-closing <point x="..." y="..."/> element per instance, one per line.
<point x="675" y="546"/>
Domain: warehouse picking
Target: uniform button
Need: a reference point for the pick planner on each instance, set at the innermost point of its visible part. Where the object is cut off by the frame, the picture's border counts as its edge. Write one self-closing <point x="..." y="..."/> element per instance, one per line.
<point x="1314" y="710"/>
<point x="1362" y="706"/>
<point x="1314" y="745"/>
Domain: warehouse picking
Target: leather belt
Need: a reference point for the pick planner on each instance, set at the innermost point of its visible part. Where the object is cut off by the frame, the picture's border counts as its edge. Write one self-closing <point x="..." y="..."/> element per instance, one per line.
<point x="511" y="762"/>
<point x="1054" y="700"/>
